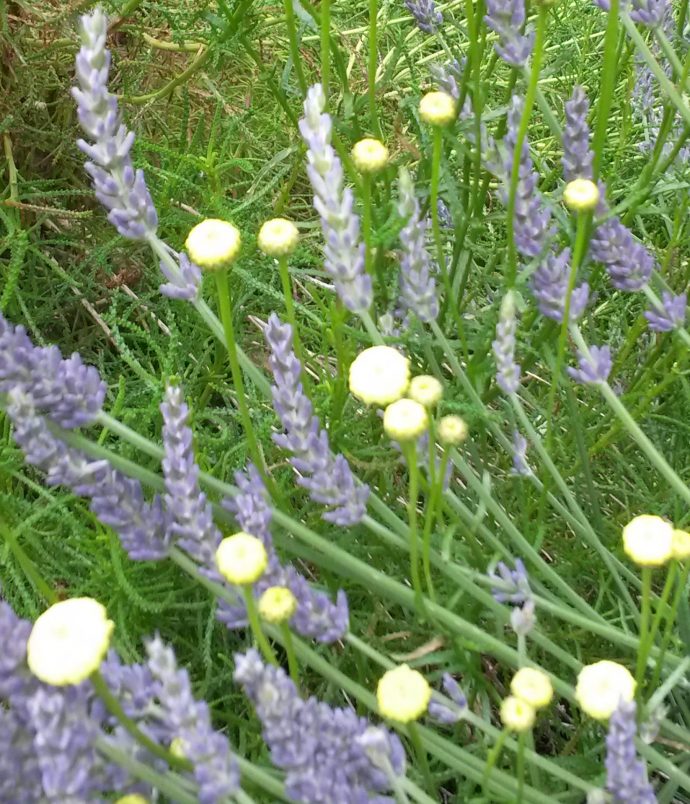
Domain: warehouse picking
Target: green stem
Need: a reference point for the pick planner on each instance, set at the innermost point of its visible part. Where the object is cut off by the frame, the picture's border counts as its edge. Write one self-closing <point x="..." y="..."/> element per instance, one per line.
<point x="668" y="626"/>
<point x="530" y="97"/>
<point x="410" y="452"/>
<point x="366" y="222"/>
<point x="520" y="769"/>
<point x="294" y="46"/>
<point x="27" y="565"/>
<point x="608" y="83"/>
<point x="421" y="756"/>
<point x="371" y="328"/>
<point x="645" y="608"/>
<point x="430" y="516"/>
<point x="372" y="65"/>
<point x="284" y="271"/>
<point x="491" y="760"/>
<point x="289" y="646"/>
<point x="255" y="625"/>
<point x="230" y="343"/>
<point x="325" y="8"/>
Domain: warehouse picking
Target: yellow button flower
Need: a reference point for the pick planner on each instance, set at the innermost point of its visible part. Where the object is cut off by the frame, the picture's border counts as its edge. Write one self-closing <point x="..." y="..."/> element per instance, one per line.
<point x="403" y="694"/>
<point x="680" y="545"/>
<point x="241" y="559"/>
<point x="516" y="714"/>
<point x="132" y="798"/>
<point x="177" y="748"/>
<point x="425" y="389"/>
<point x="648" y="540"/>
<point x="451" y="430"/>
<point x="437" y="108"/>
<point x="277" y="604"/>
<point x="581" y="195"/>
<point x="602" y="686"/>
<point x="379" y="375"/>
<point x="213" y="244"/>
<point x="278" y="237"/>
<point x="369" y="155"/>
<point x="405" y="420"/>
<point x="68" y="641"/>
<point x="532" y="686"/>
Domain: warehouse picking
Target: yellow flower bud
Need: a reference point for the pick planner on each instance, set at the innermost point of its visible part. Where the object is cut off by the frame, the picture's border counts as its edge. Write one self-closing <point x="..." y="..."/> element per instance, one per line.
<point x="425" y="389"/>
<point x="451" y="430"/>
<point x="177" y="748"/>
<point x="680" y="545"/>
<point x="379" y="375"/>
<point x="278" y="237"/>
<point x="581" y="195"/>
<point x="277" y="604"/>
<point x="132" y="798"/>
<point x="437" y="108"/>
<point x="405" y="420"/>
<point x="648" y="540"/>
<point x="516" y="714"/>
<point x="213" y="244"/>
<point x="241" y="559"/>
<point x="369" y="155"/>
<point x="532" y="686"/>
<point x="68" y="641"/>
<point x="403" y="694"/>
<point x="602" y="686"/>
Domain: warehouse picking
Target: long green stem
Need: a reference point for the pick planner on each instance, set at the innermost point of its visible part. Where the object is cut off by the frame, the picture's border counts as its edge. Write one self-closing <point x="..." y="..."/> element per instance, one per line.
<point x="294" y="46"/>
<point x="430" y="515"/>
<point x="645" y="608"/>
<point x="608" y="83"/>
<point x="255" y="625"/>
<point x="410" y="452"/>
<point x="284" y="271"/>
<point x="520" y="768"/>
<point x="289" y="646"/>
<point x="366" y="221"/>
<point x="373" y="64"/>
<point x="537" y="54"/>
<point x="668" y="626"/>
<point x="325" y="8"/>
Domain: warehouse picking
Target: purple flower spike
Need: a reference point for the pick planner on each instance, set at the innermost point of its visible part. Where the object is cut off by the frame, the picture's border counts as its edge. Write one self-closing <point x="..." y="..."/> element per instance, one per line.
<point x="328" y="754"/>
<point x="649" y="12"/>
<point x="327" y="477"/>
<point x="418" y="292"/>
<point x="577" y="154"/>
<point x="549" y="284"/>
<point x="627" y="261"/>
<point x="507" y="370"/>
<point x="521" y="467"/>
<point x="670" y="315"/>
<point x="626" y="774"/>
<point x="117" y="185"/>
<point x="447" y="77"/>
<point x="184" y="283"/>
<point x="594" y="368"/>
<point x="513" y="584"/>
<point x="191" y="516"/>
<point x="426" y="15"/>
<point x="344" y="253"/>
<point x="506" y="18"/>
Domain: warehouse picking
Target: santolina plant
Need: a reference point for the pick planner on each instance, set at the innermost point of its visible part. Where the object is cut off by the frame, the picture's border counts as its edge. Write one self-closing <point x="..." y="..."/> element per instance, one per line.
<point x="411" y="474"/>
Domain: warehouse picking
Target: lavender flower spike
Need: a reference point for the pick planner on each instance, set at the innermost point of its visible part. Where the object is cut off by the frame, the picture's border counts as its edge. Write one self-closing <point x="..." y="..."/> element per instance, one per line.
<point x="549" y="284"/>
<point x="626" y="774"/>
<point x="191" y="517"/>
<point x="506" y="18"/>
<point x="120" y="188"/>
<point x="426" y="15"/>
<point x="592" y="368"/>
<point x="649" y="12"/>
<point x="507" y="370"/>
<point x="521" y="467"/>
<point x="512" y="586"/>
<point x="326" y="753"/>
<point x="328" y="478"/>
<point x="417" y="284"/>
<point x="577" y="155"/>
<point x="215" y="768"/>
<point x="627" y="261"/>
<point x="670" y="315"/>
<point x="344" y="253"/>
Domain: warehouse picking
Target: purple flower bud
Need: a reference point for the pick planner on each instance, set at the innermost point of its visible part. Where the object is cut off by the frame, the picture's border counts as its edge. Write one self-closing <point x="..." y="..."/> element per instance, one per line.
<point x="669" y="315"/>
<point x="506" y="18"/>
<point x="344" y="253"/>
<point x="520" y="465"/>
<point x="549" y="284"/>
<point x="626" y="774"/>
<point x="649" y="12"/>
<point x="577" y="154"/>
<point x="507" y="370"/>
<point x="418" y="293"/>
<point x="183" y="284"/>
<point x="513" y="585"/>
<point x="327" y="477"/>
<point x="592" y="368"/>
<point x="448" y="76"/>
<point x="627" y="261"/>
<point x="426" y="15"/>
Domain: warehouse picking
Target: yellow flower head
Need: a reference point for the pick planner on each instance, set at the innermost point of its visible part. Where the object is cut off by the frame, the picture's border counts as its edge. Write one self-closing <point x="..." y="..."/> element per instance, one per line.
<point x="177" y="748"/>
<point x="68" y="641"/>
<point x="648" y="540"/>
<point x="278" y="237"/>
<point x="379" y="375"/>
<point x="680" y="545"/>
<point x="369" y="155"/>
<point x="532" y="686"/>
<point x="405" y="420"/>
<point x="241" y="559"/>
<point x="451" y="430"/>
<point x="602" y="686"/>
<point x="403" y="694"/>
<point x="516" y="714"/>
<point x="437" y="108"/>
<point x="581" y="195"/>
<point x="277" y="604"/>
<point x="213" y="244"/>
<point x="132" y="798"/>
<point x="425" y="389"/>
